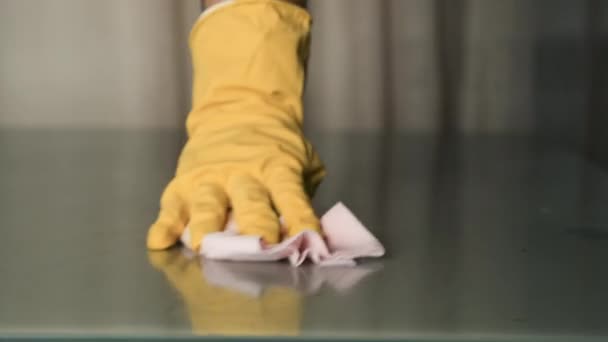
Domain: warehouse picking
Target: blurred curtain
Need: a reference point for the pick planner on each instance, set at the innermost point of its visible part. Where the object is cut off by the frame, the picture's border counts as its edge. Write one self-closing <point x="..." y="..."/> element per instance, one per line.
<point x="94" y="63"/>
<point x="473" y="66"/>
<point x="463" y="65"/>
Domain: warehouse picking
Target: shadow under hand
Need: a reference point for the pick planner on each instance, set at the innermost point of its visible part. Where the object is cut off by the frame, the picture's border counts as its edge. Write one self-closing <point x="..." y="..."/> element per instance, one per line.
<point x="248" y="299"/>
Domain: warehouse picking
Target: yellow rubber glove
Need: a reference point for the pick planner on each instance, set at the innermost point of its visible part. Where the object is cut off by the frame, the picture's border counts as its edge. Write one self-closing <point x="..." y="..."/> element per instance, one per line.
<point x="245" y="150"/>
<point x="218" y="311"/>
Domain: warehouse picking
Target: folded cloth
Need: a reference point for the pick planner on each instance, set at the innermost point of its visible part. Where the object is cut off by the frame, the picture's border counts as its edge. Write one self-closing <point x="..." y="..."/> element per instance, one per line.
<point x="346" y="239"/>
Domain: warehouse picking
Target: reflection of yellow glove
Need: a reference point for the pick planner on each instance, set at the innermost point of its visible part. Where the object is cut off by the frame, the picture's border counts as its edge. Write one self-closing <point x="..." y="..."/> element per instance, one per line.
<point x="245" y="148"/>
<point x="214" y="310"/>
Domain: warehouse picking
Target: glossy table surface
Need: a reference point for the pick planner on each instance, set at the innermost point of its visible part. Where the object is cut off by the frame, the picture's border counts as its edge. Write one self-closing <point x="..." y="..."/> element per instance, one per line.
<point x="489" y="238"/>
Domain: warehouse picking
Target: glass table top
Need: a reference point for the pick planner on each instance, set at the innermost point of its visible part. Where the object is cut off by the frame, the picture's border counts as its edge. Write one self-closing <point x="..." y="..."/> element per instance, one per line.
<point x="488" y="238"/>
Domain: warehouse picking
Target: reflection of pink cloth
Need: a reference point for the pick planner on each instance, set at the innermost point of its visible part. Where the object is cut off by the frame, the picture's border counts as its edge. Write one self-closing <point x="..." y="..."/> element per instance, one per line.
<point x="347" y="239"/>
<point x="253" y="279"/>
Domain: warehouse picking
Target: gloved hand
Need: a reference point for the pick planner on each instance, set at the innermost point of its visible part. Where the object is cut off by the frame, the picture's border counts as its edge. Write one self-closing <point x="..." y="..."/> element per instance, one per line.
<point x="215" y="310"/>
<point x="245" y="150"/>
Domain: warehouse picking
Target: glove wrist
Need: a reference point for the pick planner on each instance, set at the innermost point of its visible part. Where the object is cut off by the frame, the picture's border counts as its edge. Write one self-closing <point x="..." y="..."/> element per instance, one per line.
<point x="249" y="58"/>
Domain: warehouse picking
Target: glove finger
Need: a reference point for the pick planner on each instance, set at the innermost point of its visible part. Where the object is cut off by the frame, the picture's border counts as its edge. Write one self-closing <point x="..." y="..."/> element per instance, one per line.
<point x="252" y="208"/>
<point x="171" y="221"/>
<point x="290" y="198"/>
<point x="208" y="210"/>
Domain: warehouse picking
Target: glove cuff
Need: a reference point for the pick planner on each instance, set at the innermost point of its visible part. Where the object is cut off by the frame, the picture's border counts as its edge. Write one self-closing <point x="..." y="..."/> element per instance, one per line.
<point x="249" y="56"/>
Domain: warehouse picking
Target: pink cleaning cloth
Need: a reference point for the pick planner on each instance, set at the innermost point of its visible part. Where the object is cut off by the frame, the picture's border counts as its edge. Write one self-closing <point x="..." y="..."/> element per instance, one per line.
<point x="346" y="240"/>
